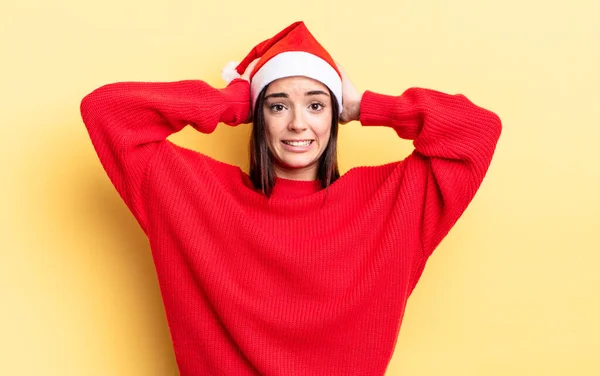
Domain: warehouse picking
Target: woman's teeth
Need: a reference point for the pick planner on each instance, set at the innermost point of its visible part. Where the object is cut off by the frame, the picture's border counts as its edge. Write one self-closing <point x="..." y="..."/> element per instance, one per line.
<point x="298" y="143"/>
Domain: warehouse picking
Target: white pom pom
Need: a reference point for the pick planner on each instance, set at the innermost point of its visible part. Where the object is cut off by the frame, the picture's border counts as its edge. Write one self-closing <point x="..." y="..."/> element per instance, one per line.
<point x="229" y="73"/>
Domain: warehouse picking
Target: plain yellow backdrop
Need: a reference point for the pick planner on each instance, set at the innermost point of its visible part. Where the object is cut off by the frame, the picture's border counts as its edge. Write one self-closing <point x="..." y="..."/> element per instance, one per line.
<point x="513" y="290"/>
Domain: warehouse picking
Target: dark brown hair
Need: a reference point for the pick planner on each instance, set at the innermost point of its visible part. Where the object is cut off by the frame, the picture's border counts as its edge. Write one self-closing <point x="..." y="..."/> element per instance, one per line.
<point x="262" y="172"/>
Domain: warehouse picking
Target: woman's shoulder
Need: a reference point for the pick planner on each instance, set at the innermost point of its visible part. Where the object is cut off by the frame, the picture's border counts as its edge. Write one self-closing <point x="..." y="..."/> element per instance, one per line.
<point x="373" y="175"/>
<point x="191" y="164"/>
<point x="365" y="181"/>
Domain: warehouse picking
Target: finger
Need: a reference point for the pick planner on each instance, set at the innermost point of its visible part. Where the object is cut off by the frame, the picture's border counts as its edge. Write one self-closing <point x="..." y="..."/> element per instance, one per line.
<point x="342" y="71"/>
<point x="249" y="69"/>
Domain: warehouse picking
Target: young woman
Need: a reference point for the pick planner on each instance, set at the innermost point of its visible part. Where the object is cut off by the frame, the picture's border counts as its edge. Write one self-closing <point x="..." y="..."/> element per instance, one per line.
<point x="292" y="269"/>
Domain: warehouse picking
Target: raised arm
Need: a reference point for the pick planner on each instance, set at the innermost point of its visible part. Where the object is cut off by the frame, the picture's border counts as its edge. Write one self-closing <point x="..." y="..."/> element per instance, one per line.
<point x="127" y="122"/>
<point x="454" y="142"/>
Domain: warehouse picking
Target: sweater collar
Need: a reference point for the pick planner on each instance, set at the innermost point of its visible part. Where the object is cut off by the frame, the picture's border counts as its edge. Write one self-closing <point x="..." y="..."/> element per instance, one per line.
<point x="295" y="188"/>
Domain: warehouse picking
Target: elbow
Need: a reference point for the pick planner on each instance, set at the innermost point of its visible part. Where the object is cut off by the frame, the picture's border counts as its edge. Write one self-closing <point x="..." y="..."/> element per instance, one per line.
<point x="487" y="128"/>
<point x="89" y="109"/>
<point x="490" y="121"/>
<point x="492" y="129"/>
<point x="93" y="99"/>
<point x="90" y="102"/>
<point x="489" y="124"/>
<point x="495" y="126"/>
<point x="86" y="104"/>
<point x="86" y="108"/>
<point x="95" y="103"/>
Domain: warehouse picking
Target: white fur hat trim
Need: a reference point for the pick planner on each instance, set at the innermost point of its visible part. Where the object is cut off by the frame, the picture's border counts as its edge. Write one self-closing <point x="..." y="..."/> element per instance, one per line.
<point x="229" y="73"/>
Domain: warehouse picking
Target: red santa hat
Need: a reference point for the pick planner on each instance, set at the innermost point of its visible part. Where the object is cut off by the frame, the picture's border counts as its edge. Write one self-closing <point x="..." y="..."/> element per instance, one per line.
<point x="292" y="52"/>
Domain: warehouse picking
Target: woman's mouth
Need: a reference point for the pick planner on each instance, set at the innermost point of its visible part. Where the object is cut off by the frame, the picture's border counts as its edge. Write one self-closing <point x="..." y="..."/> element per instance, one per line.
<point x="297" y="143"/>
<point x="297" y="146"/>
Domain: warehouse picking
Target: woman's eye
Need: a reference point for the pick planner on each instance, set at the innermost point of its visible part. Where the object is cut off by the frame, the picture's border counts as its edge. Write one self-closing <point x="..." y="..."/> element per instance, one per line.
<point x="316" y="106"/>
<point x="277" y="107"/>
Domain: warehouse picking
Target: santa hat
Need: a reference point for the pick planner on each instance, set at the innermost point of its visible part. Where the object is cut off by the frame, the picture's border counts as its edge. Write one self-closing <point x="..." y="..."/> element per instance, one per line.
<point x="292" y="52"/>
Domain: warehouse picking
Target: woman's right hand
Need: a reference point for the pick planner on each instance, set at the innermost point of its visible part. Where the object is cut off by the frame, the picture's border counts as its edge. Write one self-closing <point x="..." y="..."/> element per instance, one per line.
<point x="351" y="99"/>
<point x="246" y="76"/>
<point x="248" y="71"/>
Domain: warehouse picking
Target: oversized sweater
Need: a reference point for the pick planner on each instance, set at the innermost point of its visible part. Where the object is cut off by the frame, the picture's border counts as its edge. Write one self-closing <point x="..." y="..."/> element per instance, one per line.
<point x="309" y="281"/>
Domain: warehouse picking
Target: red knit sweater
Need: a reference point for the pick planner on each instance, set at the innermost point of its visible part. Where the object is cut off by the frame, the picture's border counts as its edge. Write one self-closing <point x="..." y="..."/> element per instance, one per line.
<point x="308" y="281"/>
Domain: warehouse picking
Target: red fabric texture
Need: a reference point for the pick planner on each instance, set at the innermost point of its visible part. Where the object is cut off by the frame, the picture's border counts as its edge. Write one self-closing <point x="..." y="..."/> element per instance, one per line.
<point x="295" y="37"/>
<point x="309" y="281"/>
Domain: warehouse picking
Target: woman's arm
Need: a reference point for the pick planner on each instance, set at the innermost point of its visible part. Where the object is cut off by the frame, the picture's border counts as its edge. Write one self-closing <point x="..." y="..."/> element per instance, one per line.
<point x="454" y="142"/>
<point x="127" y="122"/>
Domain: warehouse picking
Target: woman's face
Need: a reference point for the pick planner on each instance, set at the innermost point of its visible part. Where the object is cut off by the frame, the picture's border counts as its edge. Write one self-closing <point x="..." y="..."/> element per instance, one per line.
<point x="298" y="115"/>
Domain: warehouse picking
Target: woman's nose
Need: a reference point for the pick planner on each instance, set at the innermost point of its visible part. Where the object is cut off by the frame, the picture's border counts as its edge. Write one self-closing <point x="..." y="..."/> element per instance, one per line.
<point x="297" y="123"/>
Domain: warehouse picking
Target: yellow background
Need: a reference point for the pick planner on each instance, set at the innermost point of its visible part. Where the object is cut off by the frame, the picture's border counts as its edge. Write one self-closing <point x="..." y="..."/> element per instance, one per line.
<point x="513" y="290"/>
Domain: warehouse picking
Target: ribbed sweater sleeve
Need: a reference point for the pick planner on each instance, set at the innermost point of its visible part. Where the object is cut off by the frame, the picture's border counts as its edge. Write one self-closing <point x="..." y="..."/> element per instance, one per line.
<point x="454" y="142"/>
<point x="128" y="121"/>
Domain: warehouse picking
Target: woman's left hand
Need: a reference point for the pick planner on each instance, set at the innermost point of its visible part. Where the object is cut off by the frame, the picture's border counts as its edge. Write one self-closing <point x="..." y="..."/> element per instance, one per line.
<point x="351" y="98"/>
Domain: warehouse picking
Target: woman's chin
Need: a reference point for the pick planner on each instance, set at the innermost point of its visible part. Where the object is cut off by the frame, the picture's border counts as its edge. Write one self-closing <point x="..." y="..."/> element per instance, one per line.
<point x="296" y="166"/>
<point x="299" y="163"/>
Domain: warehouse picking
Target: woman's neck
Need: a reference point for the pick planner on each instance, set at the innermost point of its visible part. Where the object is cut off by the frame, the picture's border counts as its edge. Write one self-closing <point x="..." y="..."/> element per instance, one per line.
<point x="307" y="173"/>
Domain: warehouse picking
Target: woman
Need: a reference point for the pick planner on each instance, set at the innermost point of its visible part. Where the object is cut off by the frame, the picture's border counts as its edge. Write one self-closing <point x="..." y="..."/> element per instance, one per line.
<point x="291" y="270"/>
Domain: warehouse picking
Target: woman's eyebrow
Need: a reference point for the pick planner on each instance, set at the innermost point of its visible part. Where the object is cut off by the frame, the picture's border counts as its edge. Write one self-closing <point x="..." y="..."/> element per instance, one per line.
<point x="285" y="95"/>
<point x="277" y="95"/>
<point x="316" y="92"/>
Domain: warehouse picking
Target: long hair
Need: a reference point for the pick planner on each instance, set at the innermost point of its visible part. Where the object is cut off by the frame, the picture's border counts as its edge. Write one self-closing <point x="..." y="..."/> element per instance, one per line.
<point x="262" y="172"/>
